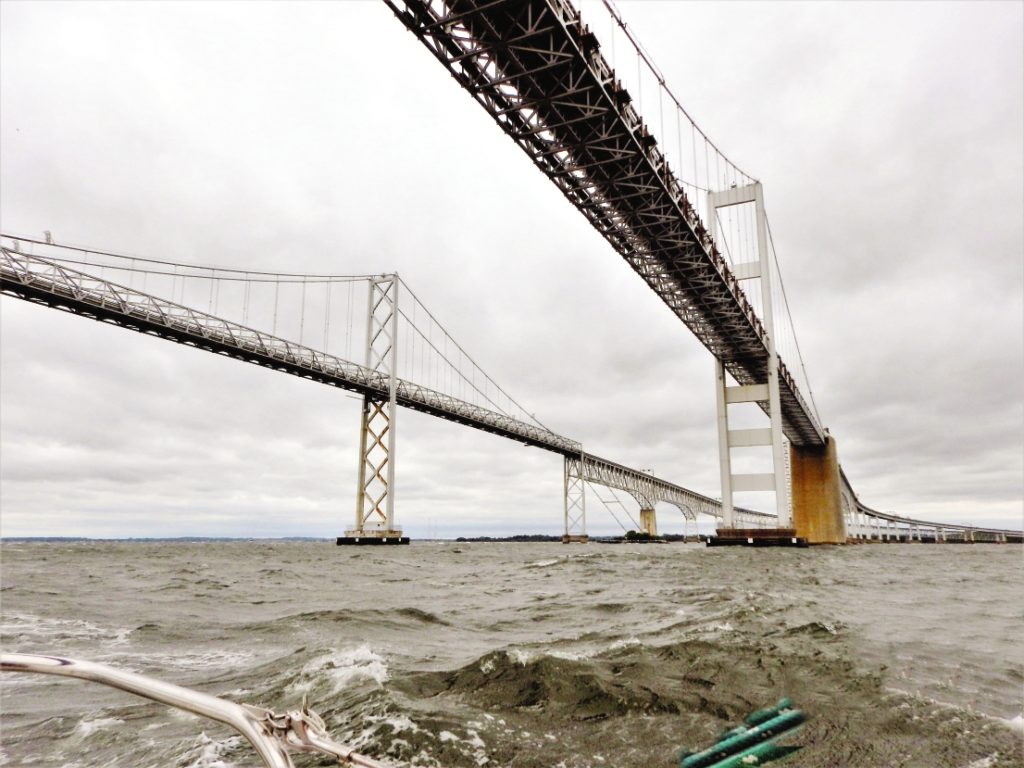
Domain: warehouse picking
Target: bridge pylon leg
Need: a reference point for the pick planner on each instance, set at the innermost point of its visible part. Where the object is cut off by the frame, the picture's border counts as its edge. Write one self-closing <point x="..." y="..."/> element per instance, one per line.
<point x="575" y="495"/>
<point x="375" y="498"/>
<point x="765" y="391"/>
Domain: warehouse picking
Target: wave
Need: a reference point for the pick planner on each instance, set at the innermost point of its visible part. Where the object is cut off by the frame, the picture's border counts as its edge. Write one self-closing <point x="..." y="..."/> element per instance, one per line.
<point x="647" y="701"/>
<point x="377" y="619"/>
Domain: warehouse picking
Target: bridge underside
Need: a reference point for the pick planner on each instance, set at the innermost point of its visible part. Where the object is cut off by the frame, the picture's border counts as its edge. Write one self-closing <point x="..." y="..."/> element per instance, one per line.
<point x="539" y="73"/>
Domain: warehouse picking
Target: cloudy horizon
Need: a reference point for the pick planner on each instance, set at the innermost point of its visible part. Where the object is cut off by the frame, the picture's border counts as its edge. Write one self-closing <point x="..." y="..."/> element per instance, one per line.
<point x="317" y="138"/>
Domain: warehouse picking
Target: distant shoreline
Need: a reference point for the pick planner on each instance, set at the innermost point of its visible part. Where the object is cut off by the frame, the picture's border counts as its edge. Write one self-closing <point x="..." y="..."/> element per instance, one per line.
<point x="144" y="539"/>
<point x="519" y="538"/>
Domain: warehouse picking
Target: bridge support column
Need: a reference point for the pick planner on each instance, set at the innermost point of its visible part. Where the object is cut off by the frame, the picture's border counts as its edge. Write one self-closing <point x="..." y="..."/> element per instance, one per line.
<point x="575" y="501"/>
<point x="375" y="498"/>
<point x="648" y="522"/>
<point x="765" y="393"/>
<point x="817" y="493"/>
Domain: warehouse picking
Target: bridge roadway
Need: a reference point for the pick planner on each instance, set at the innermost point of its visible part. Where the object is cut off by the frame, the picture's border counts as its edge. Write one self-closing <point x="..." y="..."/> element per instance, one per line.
<point x="54" y="285"/>
<point x="538" y="71"/>
<point x="866" y="524"/>
<point x="46" y="282"/>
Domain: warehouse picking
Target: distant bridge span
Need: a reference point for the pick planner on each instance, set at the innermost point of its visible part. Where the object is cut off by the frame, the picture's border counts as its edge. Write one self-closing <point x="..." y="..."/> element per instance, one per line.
<point x="48" y="283"/>
<point x="54" y="285"/>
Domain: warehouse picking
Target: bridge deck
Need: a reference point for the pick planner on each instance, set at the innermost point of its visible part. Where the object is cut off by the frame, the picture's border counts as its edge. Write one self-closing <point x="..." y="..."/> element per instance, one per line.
<point x="539" y="73"/>
<point x="45" y="282"/>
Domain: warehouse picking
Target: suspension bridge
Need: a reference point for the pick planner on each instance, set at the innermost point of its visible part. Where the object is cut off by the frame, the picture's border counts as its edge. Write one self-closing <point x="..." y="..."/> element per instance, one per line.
<point x="686" y="219"/>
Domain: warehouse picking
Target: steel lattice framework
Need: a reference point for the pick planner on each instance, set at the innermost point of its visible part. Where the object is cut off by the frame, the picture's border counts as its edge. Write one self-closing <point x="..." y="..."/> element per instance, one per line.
<point x="54" y="285"/>
<point x="648" y="490"/>
<point x="539" y="73"/>
<point x="50" y="284"/>
<point x="45" y="282"/>
<point x="375" y="502"/>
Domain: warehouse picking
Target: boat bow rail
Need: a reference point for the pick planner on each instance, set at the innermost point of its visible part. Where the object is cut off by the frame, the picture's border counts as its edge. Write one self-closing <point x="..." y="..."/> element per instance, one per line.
<point x="272" y="735"/>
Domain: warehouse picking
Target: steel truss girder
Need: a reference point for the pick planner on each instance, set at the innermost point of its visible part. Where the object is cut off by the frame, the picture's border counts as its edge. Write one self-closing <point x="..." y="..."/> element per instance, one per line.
<point x="45" y="282"/>
<point x="648" y="490"/>
<point x="521" y="87"/>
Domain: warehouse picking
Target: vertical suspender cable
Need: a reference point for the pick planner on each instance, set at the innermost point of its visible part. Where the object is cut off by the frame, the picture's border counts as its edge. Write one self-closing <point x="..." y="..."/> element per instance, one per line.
<point x="348" y="323"/>
<point x="245" y="299"/>
<point x="639" y="87"/>
<point x="277" y="288"/>
<point x="328" y="286"/>
<point x="302" y="311"/>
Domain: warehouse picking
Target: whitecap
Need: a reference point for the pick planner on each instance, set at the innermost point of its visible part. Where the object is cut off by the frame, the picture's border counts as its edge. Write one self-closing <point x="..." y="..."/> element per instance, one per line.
<point x="1015" y="723"/>
<point x="27" y="628"/>
<point x="87" y="727"/>
<point x="984" y="762"/>
<point x="519" y="656"/>
<point x="624" y="643"/>
<point x="342" y="668"/>
<point x="568" y="655"/>
<point x="401" y="723"/>
<point x="209" y="753"/>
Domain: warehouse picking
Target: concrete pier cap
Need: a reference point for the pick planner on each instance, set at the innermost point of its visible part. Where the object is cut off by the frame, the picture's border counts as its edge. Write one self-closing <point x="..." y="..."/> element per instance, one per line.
<point x="817" y="493"/>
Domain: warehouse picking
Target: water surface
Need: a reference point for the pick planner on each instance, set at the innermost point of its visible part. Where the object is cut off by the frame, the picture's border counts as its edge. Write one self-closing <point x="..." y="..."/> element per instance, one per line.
<point x="452" y="654"/>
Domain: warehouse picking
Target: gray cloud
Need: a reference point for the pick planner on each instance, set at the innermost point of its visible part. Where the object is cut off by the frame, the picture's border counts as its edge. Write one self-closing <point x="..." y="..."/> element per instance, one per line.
<point x="892" y="165"/>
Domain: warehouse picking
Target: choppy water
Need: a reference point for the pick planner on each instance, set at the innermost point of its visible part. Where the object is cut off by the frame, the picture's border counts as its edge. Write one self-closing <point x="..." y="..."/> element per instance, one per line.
<point x="522" y="654"/>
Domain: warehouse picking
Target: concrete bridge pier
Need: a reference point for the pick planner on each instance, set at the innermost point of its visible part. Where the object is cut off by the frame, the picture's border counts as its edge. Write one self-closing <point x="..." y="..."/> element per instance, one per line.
<point x="648" y="522"/>
<point x="817" y="493"/>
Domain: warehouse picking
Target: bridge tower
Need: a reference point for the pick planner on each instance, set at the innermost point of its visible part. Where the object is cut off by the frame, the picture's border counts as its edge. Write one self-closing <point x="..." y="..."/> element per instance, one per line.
<point x="766" y="391"/>
<point x="575" y="501"/>
<point x="805" y="479"/>
<point x="375" y="497"/>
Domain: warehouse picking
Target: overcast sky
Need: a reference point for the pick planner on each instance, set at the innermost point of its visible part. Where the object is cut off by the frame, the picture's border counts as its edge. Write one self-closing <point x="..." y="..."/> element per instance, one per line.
<point x="323" y="137"/>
